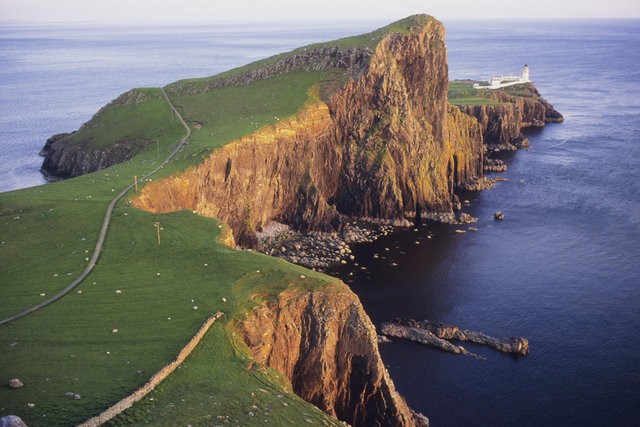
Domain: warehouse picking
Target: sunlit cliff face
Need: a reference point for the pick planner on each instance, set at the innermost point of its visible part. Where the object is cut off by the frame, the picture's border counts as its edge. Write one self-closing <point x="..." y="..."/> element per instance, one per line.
<point x="383" y="145"/>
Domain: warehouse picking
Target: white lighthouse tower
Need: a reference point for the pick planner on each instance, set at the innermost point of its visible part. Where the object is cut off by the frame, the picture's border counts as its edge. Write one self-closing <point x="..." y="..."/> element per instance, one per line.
<point x="525" y="73"/>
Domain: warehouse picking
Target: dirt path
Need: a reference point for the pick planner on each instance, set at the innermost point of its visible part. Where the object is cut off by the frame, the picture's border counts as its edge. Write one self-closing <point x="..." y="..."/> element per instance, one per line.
<point x="105" y="225"/>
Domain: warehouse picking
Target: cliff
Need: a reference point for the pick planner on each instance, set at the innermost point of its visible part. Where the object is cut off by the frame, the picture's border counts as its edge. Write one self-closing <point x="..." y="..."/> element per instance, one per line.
<point x="63" y="160"/>
<point x="512" y="110"/>
<point x="325" y="344"/>
<point x="384" y="146"/>
<point x="116" y="133"/>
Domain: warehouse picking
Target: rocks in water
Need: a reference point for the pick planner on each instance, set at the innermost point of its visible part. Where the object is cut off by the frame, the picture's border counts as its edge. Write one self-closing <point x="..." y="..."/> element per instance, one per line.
<point x="422" y="336"/>
<point x="382" y="339"/>
<point x="496" y="148"/>
<point x="478" y="184"/>
<point x="465" y="218"/>
<point x="444" y="217"/>
<point x="522" y="142"/>
<point x="15" y="383"/>
<point x="493" y="165"/>
<point x="318" y="249"/>
<point x="12" y="421"/>
<point x="499" y="216"/>
<point x="434" y="333"/>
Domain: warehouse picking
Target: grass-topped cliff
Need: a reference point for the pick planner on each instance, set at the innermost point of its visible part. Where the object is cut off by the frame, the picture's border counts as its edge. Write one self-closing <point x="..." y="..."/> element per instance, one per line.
<point x="147" y="292"/>
<point x="358" y="127"/>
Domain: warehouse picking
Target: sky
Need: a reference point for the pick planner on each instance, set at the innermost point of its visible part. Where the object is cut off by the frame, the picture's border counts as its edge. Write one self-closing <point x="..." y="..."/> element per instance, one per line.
<point x="154" y="11"/>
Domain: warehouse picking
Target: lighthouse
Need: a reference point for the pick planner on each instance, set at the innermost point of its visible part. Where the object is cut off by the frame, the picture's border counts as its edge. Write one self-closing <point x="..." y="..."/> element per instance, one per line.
<point x="525" y="73"/>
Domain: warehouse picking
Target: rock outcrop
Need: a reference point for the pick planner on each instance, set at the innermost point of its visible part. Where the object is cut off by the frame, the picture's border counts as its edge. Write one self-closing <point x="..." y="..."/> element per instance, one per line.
<point x="12" y="421"/>
<point x="436" y="334"/>
<point x="67" y="155"/>
<point x="353" y="61"/>
<point x="384" y="146"/>
<point x="325" y="344"/>
<point x="64" y="160"/>
<point x="502" y="123"/>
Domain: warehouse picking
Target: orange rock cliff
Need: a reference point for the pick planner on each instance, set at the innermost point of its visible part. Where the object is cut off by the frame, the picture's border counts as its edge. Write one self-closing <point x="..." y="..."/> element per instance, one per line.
<point x="326" y="345"/>
<point x="385" y="145"/>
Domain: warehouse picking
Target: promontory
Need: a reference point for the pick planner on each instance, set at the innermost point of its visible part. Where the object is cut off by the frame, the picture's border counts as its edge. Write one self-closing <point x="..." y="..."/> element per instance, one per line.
<point x="365" y="128"/>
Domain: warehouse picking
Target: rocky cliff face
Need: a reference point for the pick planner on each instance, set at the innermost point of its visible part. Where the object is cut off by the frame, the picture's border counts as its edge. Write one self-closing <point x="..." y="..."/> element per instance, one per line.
<point x="327" y="347"/>
<point x="502" y="123"/>
<point x="384" y="146"/>
<point x="352" y="61"/>
<point x="63" y="160"/>
<point x="67" y="155"/>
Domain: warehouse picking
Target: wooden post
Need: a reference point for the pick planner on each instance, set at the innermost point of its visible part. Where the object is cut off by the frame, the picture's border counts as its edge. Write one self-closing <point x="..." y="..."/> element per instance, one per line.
<point x="157" y="224"/>
<point x="135" y="179"/>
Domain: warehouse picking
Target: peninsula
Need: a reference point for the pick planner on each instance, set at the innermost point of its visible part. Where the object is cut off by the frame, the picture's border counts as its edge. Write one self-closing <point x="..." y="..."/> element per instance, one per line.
<point x="364" y="128"/>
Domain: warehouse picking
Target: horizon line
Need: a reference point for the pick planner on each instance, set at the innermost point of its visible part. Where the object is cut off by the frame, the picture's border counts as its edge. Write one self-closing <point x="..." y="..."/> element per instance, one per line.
<point x="303" y="20"/>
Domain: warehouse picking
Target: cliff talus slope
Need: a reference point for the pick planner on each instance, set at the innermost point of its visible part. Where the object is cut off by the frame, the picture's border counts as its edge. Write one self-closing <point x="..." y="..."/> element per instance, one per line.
<point x="383" y="146"/>
<point x="327" y="347"/>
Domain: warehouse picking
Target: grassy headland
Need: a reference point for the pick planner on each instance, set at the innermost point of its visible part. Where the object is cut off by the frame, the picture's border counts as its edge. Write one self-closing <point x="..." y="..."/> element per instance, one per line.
<point x="143" y="301"/>
<point x="145" y="291"/>
<point x="461" y="92"/>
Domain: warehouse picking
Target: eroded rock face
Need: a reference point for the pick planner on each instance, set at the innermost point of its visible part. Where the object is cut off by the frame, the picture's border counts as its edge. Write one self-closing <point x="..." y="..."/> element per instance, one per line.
<point x="502" y="124"/>
<point x="387" y="144"/>
<point x="352" y="60"/>
<point x="65" y="158"/>
<point x="324" y="342"/>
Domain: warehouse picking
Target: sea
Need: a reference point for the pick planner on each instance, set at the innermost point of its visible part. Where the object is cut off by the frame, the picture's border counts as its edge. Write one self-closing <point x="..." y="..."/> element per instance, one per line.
<point x="562" y="269"/>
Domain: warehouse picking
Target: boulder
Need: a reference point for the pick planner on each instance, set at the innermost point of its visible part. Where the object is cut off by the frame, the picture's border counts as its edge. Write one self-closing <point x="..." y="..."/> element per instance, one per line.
<point x="12" y="421"/>
<point x="15" y="383"/>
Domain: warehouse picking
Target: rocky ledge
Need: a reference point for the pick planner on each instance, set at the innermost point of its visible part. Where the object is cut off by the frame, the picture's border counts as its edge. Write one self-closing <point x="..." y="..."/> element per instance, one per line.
<point x="439" y="335"/>
<point x="325" y="344"/>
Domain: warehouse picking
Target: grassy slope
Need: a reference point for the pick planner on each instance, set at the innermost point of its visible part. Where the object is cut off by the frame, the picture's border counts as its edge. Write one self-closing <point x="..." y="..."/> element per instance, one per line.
<point x="463" y="93"/>
<point x="46" y="232"/>
<point x="134" y="123"/>
<point x="64" y="347"/>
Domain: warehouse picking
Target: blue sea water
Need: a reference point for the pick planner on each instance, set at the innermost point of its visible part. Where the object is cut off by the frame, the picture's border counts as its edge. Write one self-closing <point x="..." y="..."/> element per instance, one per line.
<point x="54" y="77"/>
<point x="562" y="269"/>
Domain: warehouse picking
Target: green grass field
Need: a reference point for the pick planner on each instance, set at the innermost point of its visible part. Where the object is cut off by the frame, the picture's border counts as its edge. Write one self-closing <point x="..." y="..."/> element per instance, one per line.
<point x="461" y="92"/>
<point x="145" y="291"/>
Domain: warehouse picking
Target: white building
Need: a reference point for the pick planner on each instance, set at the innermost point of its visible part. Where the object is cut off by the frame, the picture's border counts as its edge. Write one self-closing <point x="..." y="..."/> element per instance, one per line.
<point x="504" y="81"/>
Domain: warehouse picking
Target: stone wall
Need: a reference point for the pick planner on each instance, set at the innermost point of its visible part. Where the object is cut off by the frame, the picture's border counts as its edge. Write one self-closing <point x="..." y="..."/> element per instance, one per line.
<point x="160" y="376"/>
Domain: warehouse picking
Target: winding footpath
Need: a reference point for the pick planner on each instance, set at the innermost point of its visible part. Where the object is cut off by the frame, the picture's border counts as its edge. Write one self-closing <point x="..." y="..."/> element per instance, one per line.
<point x="105" y="225"/>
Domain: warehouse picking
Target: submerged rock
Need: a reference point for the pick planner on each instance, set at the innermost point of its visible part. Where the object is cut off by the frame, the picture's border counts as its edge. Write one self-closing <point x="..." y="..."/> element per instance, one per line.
<point x="436" y="333"/>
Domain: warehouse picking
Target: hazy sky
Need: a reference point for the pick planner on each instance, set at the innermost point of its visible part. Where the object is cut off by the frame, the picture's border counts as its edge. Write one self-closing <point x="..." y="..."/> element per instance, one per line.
<point x="269" y="10"/>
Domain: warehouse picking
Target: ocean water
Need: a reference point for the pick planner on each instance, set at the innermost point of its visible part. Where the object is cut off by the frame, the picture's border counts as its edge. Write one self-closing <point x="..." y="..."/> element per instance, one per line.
<point x="562" y="269"/>
<point x="53" y="77"/>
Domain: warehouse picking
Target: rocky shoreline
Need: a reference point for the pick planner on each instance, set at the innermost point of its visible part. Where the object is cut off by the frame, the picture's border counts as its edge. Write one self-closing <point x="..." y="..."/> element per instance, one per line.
<point x="439" y="335"/>
<point x="319" y="250"/>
